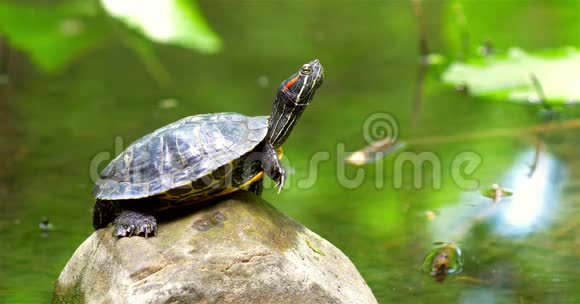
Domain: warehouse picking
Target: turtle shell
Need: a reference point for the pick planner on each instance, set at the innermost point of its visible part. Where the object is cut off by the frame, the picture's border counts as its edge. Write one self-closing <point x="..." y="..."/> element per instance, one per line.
<point x="179" y="153"/>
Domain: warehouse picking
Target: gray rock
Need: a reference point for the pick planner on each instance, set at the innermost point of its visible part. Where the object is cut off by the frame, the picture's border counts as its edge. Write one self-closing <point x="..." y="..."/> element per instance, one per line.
<point x="239" y="250"/>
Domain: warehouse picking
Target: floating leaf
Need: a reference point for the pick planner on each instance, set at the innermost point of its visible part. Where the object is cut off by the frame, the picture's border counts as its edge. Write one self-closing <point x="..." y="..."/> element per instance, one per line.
<point x="52" y="37"/>
<point x="515" y="76"/>
<point x="496" y="193"/>
<point x="176" y="22"/>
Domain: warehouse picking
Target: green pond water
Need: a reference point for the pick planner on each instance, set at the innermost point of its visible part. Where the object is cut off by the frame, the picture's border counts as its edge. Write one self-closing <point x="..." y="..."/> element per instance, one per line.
<point x="522" y="249"/>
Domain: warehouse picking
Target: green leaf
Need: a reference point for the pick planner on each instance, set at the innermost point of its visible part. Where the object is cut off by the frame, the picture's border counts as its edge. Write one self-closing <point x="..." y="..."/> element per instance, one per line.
<point x="52" y="37"/>
<point x="176" y="22"/>
<point x="520" y="76"/>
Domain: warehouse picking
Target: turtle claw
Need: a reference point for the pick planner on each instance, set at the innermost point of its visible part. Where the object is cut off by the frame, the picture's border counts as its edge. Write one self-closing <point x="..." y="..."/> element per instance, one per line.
<point x="147" y="230"/>
<point x="130" y="223"/>
<point x="280" y="182"/>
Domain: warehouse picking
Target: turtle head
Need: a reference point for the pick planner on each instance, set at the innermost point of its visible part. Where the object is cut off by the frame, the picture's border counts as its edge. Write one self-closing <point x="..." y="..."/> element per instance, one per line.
<point x="294" y="94"/>
<point x="301" y="86"/>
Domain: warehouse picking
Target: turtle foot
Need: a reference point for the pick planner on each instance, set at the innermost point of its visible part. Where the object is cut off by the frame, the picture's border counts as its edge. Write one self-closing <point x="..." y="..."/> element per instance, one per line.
<point x="130" y="223"/>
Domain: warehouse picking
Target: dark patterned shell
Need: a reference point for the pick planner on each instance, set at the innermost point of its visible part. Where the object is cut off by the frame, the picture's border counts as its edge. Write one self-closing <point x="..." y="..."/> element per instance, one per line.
<point x="179" y="153"/>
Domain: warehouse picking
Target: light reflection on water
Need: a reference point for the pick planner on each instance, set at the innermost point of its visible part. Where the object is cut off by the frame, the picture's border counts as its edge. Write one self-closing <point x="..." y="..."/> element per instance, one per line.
<point x="535" y="198"/>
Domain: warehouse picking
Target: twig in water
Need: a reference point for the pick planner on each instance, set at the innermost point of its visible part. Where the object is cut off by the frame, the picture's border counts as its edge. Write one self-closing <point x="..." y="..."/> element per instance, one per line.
<point x="4" y="59"/>
<point x="537" y="152"/>
<point x="423" y="47"/>
<point x="386" y="146"/>
<point x="511" y="132"/>
<point x="540" y="92"/>
<point x="423" y="63"/>
<point x="470" y="279"/>
<point x="464" y="32"/>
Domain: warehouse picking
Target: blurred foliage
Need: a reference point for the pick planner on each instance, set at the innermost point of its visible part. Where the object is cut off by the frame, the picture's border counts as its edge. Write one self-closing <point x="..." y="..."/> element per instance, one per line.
<point x="468" y="24"/>
<point x="51" y="37"/>
<point x="176" y="22"/>
<point x="550" y="76"/>
<point x="55" y="35"/>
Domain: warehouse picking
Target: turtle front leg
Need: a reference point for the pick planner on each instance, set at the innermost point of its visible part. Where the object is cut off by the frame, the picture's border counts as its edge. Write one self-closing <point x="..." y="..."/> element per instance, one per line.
<point x="131" y="222"/>
<point x="104" y="213"/>
<point x="273" y="166"/>
<point x="257" y="187"/>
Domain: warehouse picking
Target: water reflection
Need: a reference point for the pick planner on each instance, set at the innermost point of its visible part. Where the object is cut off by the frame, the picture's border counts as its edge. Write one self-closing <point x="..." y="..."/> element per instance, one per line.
<point x="535" y="197"/>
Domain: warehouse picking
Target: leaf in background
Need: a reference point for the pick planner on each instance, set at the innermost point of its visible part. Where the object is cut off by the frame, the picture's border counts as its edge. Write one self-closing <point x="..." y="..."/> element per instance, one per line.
<point x="511" y="76"/>
<point x="52" y="36"/>
<point x="176" y="22"/>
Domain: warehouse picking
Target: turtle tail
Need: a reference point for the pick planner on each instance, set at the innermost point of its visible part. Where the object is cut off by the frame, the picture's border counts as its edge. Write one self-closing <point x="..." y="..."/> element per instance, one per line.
<point x="104" y="213"/>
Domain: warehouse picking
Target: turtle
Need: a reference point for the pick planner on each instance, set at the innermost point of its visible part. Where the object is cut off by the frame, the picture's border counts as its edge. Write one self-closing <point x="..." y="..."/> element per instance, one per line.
<point x="198" y="158"/>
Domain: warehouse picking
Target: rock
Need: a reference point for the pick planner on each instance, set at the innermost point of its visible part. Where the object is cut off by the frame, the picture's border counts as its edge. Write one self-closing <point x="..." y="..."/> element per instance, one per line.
<point x="239" y="250"/>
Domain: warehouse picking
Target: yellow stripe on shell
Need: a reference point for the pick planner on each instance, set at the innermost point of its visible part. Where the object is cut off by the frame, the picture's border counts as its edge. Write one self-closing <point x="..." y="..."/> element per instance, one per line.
<point x="255" y="178"/>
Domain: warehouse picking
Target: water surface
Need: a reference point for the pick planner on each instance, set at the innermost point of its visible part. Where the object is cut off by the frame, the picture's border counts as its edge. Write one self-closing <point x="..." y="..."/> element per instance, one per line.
<point x="523" y="249"/>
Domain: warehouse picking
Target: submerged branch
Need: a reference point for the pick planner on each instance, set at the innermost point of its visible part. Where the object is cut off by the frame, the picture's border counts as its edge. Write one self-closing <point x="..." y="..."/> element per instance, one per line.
<point x="387" y="146"/>
<point x="512" y="132"/>
<point x="423" y="62"/>
<point x="4" y="59"/>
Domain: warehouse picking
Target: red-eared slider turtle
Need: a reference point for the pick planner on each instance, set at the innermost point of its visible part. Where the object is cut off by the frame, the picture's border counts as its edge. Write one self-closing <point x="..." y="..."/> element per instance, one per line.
<point x="200" y="157"/>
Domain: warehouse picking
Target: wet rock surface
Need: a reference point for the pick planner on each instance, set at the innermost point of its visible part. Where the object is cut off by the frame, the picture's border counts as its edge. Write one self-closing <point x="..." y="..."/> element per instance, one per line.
<point x="238" y="250"/>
